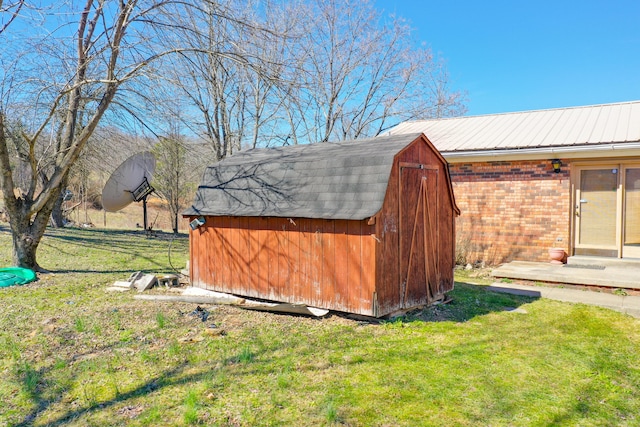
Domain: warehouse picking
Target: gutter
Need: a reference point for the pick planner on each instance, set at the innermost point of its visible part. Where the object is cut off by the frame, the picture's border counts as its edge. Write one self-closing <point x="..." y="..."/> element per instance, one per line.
<point x="631" y="149"/>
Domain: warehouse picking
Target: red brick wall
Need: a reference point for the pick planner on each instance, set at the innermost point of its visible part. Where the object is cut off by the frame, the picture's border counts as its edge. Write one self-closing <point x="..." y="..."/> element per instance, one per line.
<point x="510" y="210"/>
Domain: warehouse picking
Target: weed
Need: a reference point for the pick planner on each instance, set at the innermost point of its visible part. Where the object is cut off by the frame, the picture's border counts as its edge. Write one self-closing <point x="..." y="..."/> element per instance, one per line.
<point x="620" y="292"/>
<point x="331" y="413"/>
<point x="191" y="404"/>
<point x="161" y="320"/>
<point x="10" y="346"/>
<point x="126" y="335"/>
<point x="117" y="321"/>
<point x="89" y="395"/>
<point x="79" y="324"/>
<point x="148" y="357"/>
<point x="174" y="349"/>
<point x="116" y="388"/>
<point x="283" y="381"/>
<point x="30" y="378"/>
<point x="463" y="245"/>
<point x="246" y="355"/>
<point x="60" y="363"/>
<point x="151" y="416"/>
<point x="506" y="280"/>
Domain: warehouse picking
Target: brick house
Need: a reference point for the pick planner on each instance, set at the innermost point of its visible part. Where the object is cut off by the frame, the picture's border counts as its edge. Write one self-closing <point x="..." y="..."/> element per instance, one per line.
<point x="515" y="204"/>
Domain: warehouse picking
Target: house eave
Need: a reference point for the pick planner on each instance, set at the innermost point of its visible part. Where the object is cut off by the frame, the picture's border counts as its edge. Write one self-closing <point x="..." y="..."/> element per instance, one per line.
<point x="616" y="150"/>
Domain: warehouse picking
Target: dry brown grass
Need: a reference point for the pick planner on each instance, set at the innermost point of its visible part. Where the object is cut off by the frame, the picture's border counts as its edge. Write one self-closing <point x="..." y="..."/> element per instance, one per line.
<point x="129" y="218"/>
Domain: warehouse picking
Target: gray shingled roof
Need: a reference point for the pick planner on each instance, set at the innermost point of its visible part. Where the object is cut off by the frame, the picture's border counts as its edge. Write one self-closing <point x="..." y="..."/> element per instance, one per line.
<point x="345" y="180"/>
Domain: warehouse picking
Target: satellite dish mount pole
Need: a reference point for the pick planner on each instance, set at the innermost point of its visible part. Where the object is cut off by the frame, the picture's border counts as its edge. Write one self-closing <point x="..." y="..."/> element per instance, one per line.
<point x="144" y="213"/>
<point x="141" y="193"/>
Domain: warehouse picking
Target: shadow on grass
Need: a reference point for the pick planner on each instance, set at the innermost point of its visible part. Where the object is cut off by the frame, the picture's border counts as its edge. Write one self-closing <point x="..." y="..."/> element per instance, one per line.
<point x="125" y="271"/>
<point x="75" y="234"/>
<point x="36" y="385"/>
<point x="126" y="250"/>
<point x="108" y="239"/>
<point x="124" y="244"/>
<point x="467" y="301"/>
<point x="168" y="378"/>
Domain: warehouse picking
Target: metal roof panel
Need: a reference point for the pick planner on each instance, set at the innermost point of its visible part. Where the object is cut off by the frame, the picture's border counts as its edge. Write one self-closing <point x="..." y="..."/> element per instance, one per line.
<point x="593" y="124"/>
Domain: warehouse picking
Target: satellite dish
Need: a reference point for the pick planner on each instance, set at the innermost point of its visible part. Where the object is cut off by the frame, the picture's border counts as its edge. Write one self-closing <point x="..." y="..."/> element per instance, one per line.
<point x="129" y="182"/>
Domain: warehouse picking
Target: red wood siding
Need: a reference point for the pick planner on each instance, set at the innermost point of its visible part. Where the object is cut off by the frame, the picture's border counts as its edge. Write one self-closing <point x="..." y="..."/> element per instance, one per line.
<point x="404" y="259"/>
<point x="431" y="271"/>
<point x="321" y="263"/>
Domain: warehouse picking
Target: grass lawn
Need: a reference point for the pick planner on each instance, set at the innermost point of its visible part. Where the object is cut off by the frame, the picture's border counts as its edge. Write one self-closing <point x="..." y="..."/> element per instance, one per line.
<point x="73" y="354"/>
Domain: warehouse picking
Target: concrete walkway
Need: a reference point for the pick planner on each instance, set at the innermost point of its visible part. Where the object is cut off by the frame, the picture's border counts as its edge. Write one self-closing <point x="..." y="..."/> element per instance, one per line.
<point x="622" y="303"/>
<point x="586" y="272"/>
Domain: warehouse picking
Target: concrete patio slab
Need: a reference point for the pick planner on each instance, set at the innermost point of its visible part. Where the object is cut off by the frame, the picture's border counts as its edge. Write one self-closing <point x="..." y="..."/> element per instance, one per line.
<point x="615" y="275"/>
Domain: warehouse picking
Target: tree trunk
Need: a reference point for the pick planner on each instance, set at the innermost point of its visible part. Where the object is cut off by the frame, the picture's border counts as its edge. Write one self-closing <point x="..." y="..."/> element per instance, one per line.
<point x="57" y="215"/>
<point x="25" y="245"/>
<point x="27" y="233"/>
<point x="174" y="222"/>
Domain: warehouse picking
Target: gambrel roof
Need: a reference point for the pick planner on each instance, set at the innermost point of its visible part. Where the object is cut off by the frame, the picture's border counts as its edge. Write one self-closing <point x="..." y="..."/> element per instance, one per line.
<point x="578" y="128"/>
<point x="340" y="180"/>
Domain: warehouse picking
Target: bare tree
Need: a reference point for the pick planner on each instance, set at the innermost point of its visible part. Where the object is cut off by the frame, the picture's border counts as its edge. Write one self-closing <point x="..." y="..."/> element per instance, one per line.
<point x="9" y="11"/>
<point x="328" y="70"/>
<point x="61" y="83"/>
<point x="232" y="100"/>
<point x="29" y="209"/>
<point x="176" y="175"/>
<point x="363" y="73"/>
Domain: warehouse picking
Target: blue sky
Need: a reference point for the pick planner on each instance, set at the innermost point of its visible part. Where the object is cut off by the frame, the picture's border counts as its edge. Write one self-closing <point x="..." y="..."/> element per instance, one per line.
<point x="528" y="55"/>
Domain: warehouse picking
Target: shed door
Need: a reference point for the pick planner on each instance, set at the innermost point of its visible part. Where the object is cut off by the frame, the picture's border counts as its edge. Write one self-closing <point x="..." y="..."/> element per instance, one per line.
<point x="418" y="235"/>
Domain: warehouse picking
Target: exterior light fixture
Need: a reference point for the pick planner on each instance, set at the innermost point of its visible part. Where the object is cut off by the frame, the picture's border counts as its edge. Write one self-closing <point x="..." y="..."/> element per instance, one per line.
<point x="197" y="223"/>
<point x="556" y="163"/>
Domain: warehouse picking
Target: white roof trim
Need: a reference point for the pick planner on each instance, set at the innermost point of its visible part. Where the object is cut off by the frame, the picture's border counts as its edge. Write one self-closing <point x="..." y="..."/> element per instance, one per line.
<point x="599" y="151"/>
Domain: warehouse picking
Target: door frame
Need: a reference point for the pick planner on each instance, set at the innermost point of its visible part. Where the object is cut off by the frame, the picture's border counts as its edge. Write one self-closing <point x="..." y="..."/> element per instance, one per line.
<point x="575" y="169"/>
<point x="627" y="251"/>
<point x="430" y="238"/>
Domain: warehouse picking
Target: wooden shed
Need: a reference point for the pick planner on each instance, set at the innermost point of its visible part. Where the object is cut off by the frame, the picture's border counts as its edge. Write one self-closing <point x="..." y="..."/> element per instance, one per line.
<point x="363" y="227"/>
